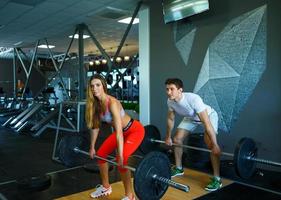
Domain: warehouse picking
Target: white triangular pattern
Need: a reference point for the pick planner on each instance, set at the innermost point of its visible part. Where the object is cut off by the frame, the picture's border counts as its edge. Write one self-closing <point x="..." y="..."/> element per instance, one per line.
<point x="220" y="69"/>
<point x="220" y="52"/>
<point x="208" y="95"/>
<point x="184" y="45"/>
<point x="203" y="76"/>
<point x="233" y="44"/>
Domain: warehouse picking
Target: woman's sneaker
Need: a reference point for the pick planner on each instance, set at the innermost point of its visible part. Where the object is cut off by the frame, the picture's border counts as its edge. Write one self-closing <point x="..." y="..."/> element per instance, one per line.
<point x="101" y="191"/>
<point x="176" y="171"/>
<point x="214" y="184"/>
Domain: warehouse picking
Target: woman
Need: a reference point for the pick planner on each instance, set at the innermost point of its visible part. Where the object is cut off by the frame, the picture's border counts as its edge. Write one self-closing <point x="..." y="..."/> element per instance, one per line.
<point x="127" y="136"/>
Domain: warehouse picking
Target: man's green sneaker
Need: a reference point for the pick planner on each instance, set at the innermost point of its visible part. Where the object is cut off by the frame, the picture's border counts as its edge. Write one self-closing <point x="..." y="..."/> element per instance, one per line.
<point x="214" y="185"/>
<point x="176" y="171"/>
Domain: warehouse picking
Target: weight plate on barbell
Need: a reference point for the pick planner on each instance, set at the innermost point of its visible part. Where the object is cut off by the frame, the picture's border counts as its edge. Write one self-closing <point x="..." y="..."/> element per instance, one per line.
<point x="34" y="183"/>
<point x="66" y="152"/>
<point x="151" y="132"/>
<point x="145" y="186"/>
<point x="245" y="168"/>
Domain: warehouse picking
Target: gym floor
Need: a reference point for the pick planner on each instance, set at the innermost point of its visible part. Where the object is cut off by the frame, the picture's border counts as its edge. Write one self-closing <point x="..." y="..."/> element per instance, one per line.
<point x="24" y="156"/>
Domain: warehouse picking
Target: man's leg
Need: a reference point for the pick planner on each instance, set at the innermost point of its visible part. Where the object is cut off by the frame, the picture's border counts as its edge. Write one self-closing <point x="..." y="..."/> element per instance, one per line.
<point x="215" y="182"/>
<point x="178" y="151"/>
<point x="215" y="159"/>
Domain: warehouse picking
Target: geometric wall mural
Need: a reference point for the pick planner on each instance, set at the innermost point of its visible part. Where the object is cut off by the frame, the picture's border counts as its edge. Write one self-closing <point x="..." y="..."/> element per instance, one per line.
<point x="184" y="35"/>
<point x="233" y="65"/>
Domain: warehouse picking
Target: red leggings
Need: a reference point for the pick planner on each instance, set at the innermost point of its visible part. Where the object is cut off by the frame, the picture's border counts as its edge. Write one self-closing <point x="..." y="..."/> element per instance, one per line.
<point x="132" y="139"/>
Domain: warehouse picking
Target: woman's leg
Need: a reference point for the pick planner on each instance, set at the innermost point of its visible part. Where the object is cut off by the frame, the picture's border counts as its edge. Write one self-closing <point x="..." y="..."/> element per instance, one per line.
<point x="126" y="179"/>
<point x="132" y="140"/>
<point x="105" y="149"/>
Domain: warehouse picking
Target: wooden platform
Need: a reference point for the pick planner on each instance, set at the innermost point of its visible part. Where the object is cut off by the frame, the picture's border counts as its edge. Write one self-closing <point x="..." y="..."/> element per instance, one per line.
<point x="194" y="179"/>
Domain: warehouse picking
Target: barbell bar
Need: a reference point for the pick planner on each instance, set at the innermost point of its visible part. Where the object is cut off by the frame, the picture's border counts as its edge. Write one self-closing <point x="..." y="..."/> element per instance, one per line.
<point x="249" y="157"/>
<point x="190" y="147"/>
<point x="263" y="161"/>
<point x="245" y="155"/>
<point x="154" y="176"/>
<point x="151" y="178"/>
<point x="77" y="150"/>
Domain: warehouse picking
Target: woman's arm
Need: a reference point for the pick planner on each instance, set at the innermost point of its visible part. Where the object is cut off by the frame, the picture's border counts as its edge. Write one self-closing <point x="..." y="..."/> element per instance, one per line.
<point x="117" y="124"/>
<point x="94" y="134"/>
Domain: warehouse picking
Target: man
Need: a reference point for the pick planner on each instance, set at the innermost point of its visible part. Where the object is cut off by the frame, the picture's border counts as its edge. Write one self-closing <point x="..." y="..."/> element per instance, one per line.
<point x="195" y="112"/>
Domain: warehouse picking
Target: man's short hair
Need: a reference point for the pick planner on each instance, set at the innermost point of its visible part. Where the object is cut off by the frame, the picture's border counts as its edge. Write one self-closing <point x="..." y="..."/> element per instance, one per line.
<point x="177" y="82"/>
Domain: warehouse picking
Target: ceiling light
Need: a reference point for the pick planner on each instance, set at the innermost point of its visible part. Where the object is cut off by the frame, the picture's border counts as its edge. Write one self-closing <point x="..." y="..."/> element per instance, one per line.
<point x="76" y="36"/>
<point x="44" y="46"/>
<point x="128" y="19"/>
<point x="118" y="59"/>
<point x="126" y="58"/>
<point x="91" y="63"/>
<point x="97" y="62"/>
<point x="104" y="61"/>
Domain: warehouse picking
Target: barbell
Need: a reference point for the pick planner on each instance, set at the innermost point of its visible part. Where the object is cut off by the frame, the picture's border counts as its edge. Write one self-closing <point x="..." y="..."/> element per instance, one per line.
<point x="152" y="177"/>
<point x="245" y="155"/>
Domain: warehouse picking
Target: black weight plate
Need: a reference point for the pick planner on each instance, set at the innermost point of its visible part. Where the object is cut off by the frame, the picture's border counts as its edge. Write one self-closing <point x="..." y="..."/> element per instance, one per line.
<point x="245" y="168"/>
<point x="35" y="183"/>
<point x="151" y="132"/>
<point x="66" y="152"/>
<point x="145" y="186"/>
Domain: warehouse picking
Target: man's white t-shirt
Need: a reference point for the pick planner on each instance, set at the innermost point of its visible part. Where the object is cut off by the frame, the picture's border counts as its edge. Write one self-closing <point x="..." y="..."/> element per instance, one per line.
<point x="189" y="105"/>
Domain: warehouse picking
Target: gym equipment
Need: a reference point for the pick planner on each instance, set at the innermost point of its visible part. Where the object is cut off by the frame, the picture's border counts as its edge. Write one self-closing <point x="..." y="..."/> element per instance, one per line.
<point x="35" y="183"/>
<point x="245" y="168"/>
<point x="245" y="155"/>
<point x="67" y="142"/>
<point x="146" y="173"/>
<point x="146" y="145"/>
<point x="2" y="197"/>
<point x="152" y="176"/>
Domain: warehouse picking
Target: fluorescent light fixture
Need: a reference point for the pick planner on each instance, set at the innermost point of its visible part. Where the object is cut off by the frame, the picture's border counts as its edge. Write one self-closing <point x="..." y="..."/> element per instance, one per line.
<point x="18" y="43"/>
<point x="104" y="74"/>
<point x="89" y="74"/>
<point x="127" y="78"/>
<point x="76" y="36"/>
<point x="128" y="19"/>
<point x="44" y="46"/>
<point x="122" y="70"/>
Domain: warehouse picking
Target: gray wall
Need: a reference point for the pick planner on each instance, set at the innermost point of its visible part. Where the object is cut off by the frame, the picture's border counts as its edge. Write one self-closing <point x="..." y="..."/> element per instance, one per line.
<point x="259" y="117"/>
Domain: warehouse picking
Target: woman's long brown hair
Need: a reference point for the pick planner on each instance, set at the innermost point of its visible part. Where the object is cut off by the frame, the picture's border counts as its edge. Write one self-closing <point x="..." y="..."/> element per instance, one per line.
<point x="95" y="107"/>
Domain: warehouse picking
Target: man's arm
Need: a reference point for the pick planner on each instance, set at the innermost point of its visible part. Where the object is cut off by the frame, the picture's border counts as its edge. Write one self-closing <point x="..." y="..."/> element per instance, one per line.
<point x="170" y="126"/>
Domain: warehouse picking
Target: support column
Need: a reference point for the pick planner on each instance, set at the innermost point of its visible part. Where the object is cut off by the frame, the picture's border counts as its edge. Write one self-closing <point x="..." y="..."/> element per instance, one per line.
<point x="14" y="75"/>
<point x="144" y="65"/>
<point x="81" y="72"/>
